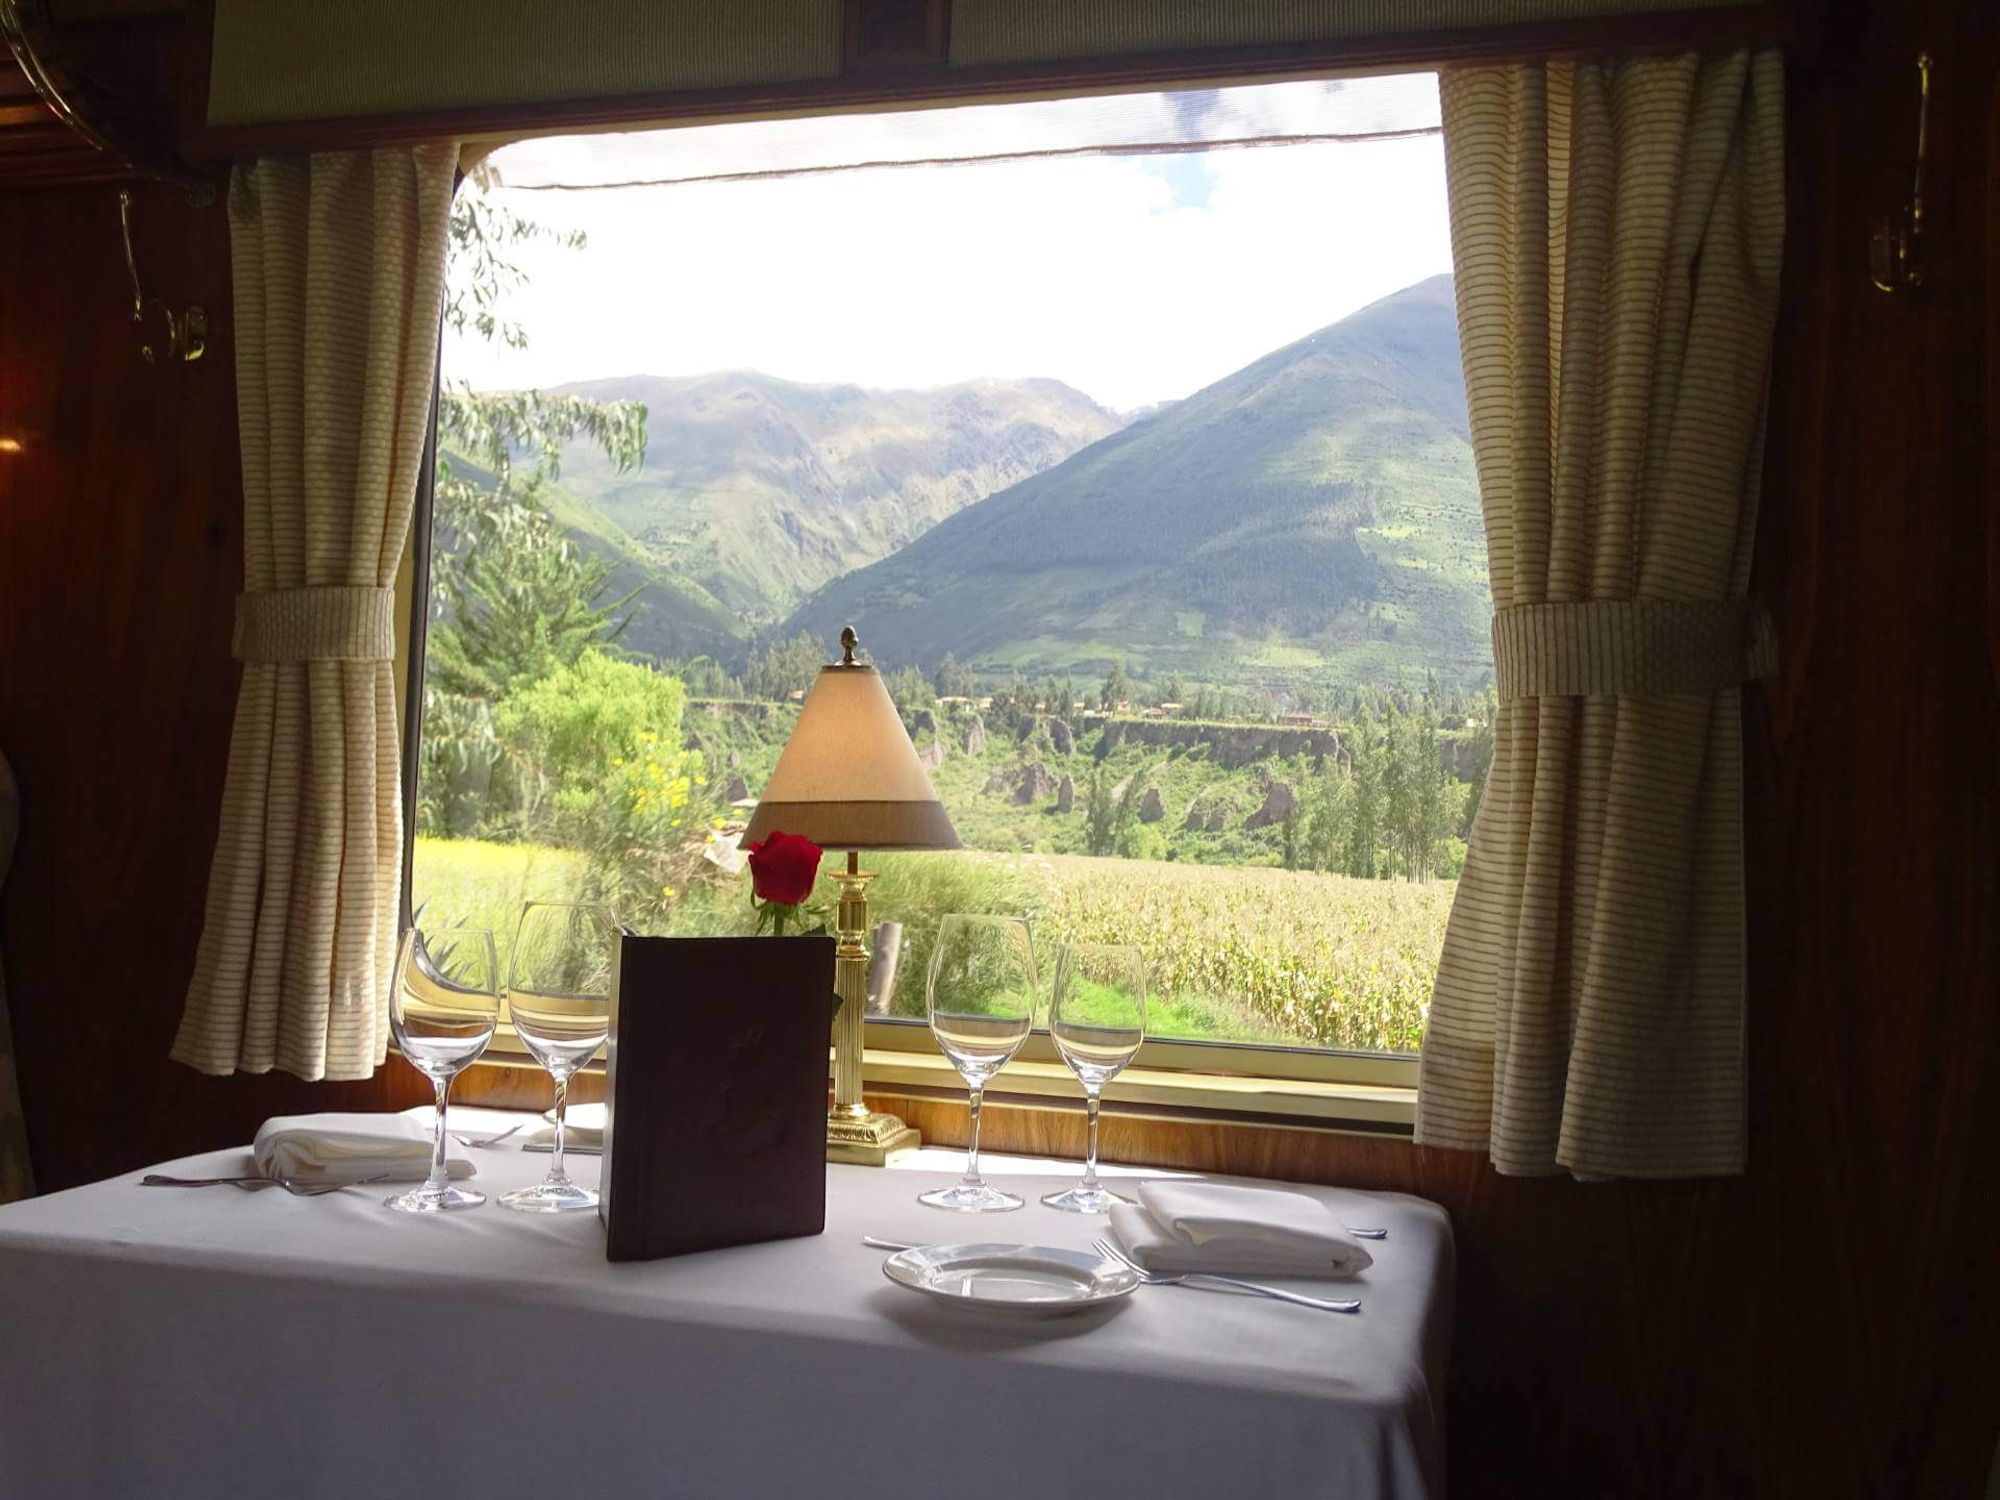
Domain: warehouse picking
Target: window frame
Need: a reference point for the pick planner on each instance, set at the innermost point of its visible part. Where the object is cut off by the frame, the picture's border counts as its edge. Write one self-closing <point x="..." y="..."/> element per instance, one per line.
<point x="1240" y="1081"/>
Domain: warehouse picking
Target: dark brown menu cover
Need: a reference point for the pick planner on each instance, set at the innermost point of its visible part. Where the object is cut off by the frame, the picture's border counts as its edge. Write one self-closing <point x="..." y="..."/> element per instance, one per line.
<point x="715" y="1125"/>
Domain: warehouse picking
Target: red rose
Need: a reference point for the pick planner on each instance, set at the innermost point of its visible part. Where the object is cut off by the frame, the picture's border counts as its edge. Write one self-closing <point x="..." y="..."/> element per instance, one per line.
<point x="783" y="868"/>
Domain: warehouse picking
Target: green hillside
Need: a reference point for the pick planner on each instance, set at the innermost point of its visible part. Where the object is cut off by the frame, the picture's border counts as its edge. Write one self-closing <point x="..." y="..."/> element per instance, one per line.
<point x="1314" y="515"/>
<point x="756" y="491"/>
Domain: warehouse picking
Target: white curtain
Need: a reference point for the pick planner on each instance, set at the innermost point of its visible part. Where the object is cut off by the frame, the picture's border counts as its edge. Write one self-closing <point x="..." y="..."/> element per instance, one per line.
<point x="339" y="282"/>
<point x="1616" y="228"/>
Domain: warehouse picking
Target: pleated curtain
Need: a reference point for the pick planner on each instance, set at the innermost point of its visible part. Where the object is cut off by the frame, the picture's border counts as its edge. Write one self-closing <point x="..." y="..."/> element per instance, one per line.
<point x="339" y="279"/>
<point x="1616" y="228"/>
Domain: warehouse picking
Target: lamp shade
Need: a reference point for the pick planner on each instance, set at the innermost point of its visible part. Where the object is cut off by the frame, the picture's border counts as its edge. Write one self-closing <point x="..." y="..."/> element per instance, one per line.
<point x="849" y="778"/>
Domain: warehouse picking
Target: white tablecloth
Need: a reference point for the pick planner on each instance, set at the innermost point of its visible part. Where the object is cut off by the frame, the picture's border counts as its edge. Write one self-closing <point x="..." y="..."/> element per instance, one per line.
<point x="209" y="1343"/>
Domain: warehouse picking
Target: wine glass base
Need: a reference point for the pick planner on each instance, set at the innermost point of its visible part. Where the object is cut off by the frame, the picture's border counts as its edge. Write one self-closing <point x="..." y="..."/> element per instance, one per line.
<point x="434" y="1200"/>
<point x="545" y="1197"/>
<point x="1083" y="1200"/>
<point x="970" y="1198"/>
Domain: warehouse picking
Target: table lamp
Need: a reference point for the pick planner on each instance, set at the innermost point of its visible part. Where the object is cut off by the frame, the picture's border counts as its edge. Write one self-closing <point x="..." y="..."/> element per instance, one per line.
<point x="849" y="778"/>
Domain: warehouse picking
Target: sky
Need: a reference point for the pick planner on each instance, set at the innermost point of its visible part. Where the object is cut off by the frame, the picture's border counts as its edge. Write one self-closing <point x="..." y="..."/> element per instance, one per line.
<point x="1136" y="279"/>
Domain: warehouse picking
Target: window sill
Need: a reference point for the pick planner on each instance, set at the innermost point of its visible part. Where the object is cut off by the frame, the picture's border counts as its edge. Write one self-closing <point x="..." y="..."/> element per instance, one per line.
<point x="1376" y="1108"/>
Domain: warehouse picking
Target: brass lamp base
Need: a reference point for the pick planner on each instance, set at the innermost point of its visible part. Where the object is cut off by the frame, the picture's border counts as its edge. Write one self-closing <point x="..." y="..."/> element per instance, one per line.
<point x="867" y="1139"/>
<point x="855" y="1134"/>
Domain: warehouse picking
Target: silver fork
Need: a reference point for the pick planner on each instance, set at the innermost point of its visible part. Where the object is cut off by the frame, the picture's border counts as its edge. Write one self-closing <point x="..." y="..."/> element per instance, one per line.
<point x="488" y="1140"/>
<point x="253" y="1184"/>
<point x="1199" y="1279"/>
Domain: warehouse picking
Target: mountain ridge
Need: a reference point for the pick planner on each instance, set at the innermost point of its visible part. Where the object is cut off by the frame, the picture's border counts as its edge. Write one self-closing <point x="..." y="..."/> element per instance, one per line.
<point x="757" y="490"/>
<point x="1315" y="512"/>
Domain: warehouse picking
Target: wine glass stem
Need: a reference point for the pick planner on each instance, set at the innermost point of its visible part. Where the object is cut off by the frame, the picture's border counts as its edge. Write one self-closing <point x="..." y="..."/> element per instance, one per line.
<point x="440" y="1175"/>
<point x="1090" y="1155"/>
<point x="972" y="1177"/>
<point x="556" y="1173"/>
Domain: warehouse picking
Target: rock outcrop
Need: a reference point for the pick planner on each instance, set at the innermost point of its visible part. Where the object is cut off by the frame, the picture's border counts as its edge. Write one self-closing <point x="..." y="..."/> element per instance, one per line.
<point x="1061" y="738"/>
<point x="975" y="736"/>
<point x="1035" y="784"/>
<point x="1152" y="807"/>
<point x="1280" y="802"/>
<point x="1065" y="795"/>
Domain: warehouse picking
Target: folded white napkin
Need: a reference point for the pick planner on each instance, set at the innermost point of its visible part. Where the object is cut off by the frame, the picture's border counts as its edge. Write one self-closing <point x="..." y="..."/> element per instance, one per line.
<point x="583" y="1126"/>
<point x="1235" y="1231"/>
<point x="348" y="1148"/>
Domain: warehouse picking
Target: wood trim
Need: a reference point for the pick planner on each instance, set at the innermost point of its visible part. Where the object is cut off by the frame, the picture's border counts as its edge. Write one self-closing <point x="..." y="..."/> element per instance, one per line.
<point x="900" y="87"/>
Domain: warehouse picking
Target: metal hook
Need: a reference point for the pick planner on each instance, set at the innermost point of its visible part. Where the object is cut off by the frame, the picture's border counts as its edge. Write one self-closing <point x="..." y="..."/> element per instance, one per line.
<point x="1895" y="250"/>
<point x="187" y="335"/>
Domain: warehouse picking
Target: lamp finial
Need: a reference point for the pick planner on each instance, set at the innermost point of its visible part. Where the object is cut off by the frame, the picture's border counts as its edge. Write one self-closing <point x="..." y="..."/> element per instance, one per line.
<point x="848" y="641"/>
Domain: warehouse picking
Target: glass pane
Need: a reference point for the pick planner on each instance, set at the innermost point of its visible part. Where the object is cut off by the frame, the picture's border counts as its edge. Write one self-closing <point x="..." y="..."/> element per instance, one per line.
<point x="1142" y="469"/>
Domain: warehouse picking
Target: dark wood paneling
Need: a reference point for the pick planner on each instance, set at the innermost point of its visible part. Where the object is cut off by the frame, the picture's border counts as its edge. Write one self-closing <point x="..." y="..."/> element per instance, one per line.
<point x="120" y="556"/>
<point x="1826" y="1325"/>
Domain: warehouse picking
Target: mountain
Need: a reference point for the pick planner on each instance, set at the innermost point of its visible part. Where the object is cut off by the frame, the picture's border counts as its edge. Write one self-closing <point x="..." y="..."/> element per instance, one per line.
<point x="1314" y="514"/>
<point x="756" y="491"/>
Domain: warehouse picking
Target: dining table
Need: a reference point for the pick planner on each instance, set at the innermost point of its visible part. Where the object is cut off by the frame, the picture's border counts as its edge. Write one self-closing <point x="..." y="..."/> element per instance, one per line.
<point x="160" y="1342"/>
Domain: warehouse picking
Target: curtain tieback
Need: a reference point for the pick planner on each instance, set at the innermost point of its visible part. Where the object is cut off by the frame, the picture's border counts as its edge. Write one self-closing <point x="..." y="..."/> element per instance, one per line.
<point x="316" y="624"/>
<point x="1631" y="648"/>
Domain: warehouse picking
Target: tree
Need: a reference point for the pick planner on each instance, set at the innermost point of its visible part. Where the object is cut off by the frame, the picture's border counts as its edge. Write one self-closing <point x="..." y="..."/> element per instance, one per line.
<point x="526" y="602"/>
<point x="497" y="450"/>
<point x="909" y="689"/>
<point x="952" y="680"/>
<point x="1116" y="689"/>
<point x="511" y="596"/>
<point x="1365" y="795"/>
<point x="1323" y="841"/>
<point x="1482" y="716"/>
<point x="573" y="728"/>
<point x="784" y="668"/>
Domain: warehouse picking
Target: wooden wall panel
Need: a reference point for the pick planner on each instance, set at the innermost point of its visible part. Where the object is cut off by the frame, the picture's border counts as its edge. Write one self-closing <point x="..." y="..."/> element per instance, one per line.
<point x="120" y="558"/>
<point x="1826" y="1325"/>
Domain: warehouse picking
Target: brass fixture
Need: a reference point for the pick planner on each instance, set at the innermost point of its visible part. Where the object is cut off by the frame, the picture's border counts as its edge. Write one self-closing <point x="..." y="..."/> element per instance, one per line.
<point x="1896" y="249"/>
<point x="849" y="778"/>
<point x="31" y="37"/>
<point x="187" y="334"/>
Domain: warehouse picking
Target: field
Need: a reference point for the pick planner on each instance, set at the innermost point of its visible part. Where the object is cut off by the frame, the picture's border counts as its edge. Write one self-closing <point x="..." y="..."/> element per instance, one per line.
<point x="1261" y="955"/>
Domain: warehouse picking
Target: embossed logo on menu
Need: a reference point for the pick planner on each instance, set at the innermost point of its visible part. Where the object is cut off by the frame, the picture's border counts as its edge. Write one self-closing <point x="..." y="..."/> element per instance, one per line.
<point x="744" y="1119"/>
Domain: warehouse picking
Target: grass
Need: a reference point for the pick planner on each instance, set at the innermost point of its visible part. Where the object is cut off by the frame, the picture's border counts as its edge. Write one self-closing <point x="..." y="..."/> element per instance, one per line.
<point x="1234" y="954"/>
<point x="466" y="882"/>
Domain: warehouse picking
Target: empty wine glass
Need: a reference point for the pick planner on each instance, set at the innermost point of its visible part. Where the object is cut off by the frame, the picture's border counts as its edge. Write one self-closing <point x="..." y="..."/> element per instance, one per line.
<point x="559" y="996"/>
<point x="981" y="997"/>
<point x="443" y="1006"/>
<point x="1097" y="1018"/>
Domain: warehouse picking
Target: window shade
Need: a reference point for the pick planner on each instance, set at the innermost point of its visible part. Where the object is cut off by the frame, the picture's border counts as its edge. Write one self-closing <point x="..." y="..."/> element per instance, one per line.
<point x="279" y="60"/>
<point x="1028" y="31"/>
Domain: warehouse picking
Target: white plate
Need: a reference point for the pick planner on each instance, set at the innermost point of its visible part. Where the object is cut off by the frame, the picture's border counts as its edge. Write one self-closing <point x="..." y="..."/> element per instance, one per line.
<point x="1036" y="1281"/>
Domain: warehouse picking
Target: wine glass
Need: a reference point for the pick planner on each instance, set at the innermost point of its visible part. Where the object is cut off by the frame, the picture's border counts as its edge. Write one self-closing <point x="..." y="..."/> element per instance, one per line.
<point x="443" y="1006"/>
<point x="1097" y="1017"/>
<point x="981" y="997"/>
<point x="559" y="996"/>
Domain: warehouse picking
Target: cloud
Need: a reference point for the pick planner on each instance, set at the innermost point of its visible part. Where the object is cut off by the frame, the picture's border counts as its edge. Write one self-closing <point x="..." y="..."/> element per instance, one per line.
<point x="1096" y="271"/>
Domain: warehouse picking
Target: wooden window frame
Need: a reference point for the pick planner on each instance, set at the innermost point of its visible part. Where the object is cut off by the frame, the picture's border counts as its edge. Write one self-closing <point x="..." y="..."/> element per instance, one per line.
<point x="1292" y="1086"/>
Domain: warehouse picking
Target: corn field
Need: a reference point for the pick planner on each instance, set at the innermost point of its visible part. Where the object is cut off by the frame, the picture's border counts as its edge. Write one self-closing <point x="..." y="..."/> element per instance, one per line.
<point x="1323" y="960"/>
